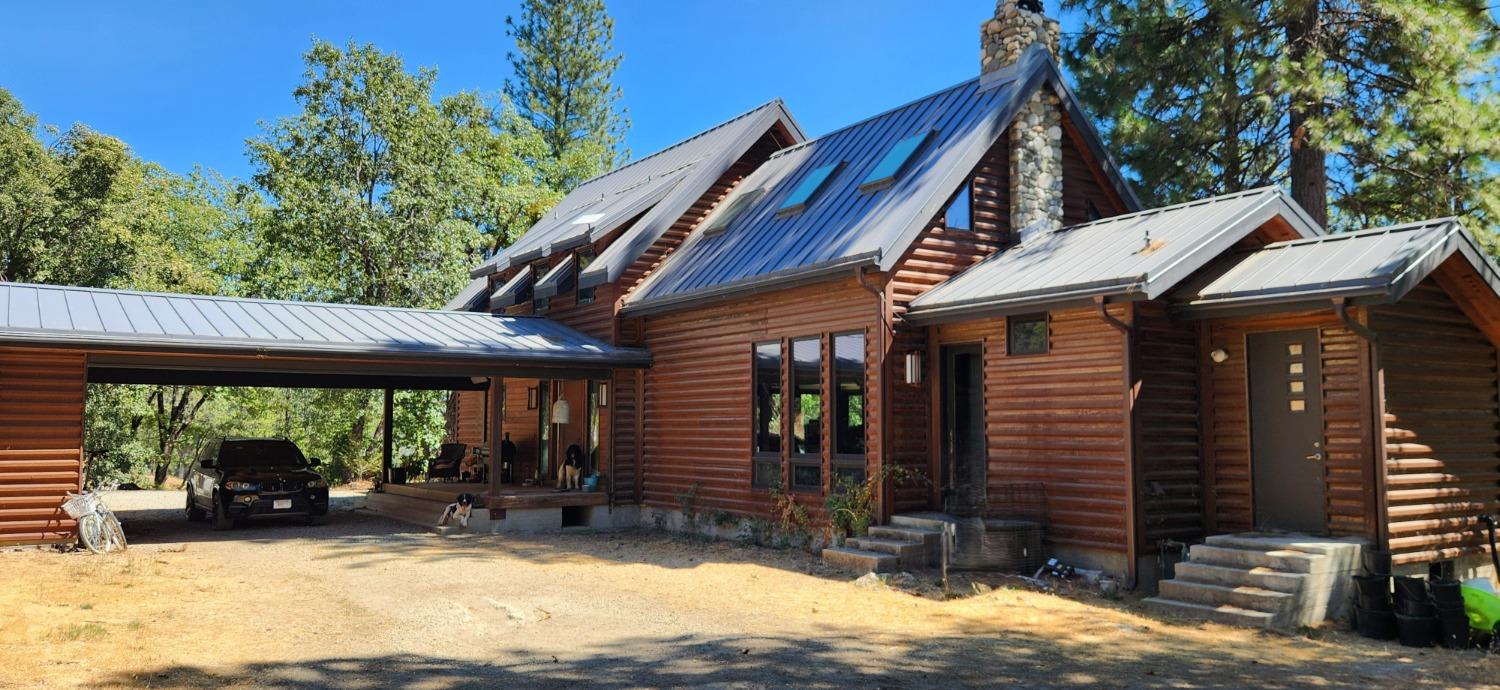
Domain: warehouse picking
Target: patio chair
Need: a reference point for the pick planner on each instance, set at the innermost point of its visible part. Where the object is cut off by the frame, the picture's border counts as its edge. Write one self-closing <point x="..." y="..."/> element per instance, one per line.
<point x="446" y="464"/>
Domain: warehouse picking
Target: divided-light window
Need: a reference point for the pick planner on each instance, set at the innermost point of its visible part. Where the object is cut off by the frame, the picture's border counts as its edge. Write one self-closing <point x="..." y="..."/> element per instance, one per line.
<point x="811" y="185"/>
<point x="894" y="162"/>
<point x="739" y="205"/>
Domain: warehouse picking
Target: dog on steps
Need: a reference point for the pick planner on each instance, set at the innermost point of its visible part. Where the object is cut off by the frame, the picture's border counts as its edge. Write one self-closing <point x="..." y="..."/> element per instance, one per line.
<point x="460" y="509"/>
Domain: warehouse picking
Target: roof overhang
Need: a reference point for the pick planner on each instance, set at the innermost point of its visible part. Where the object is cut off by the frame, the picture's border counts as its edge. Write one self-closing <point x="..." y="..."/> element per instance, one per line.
<point x="510" y="293"/>
<point x="553" y="282"/>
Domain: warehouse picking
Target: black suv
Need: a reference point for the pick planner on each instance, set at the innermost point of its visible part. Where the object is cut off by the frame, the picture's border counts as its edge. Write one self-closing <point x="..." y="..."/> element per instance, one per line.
<point x="244" y="478"/>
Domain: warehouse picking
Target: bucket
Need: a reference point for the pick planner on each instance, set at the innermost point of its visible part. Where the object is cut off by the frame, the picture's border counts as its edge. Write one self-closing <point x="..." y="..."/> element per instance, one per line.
<point x="1416" y="631"/>
<point x="1374" y="592"/>
<point x="1446" y="593"/>
<point x="1377" y="562"/>
<point x="1453" y="627"/>
<point x="1376" y="625"/>
<point x="1410" y="588"/>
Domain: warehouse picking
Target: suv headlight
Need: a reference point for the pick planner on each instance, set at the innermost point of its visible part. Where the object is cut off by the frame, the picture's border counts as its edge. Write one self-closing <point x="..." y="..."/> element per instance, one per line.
<point x="242" y="486"/>
<point x="318" y="484"/>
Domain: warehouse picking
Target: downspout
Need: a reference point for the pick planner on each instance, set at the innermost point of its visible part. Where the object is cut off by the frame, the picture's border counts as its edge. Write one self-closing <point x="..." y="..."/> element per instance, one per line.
<point x="882" y="384"/>
<point x="1377" y="418"/>
<point x="1131" y="523"/>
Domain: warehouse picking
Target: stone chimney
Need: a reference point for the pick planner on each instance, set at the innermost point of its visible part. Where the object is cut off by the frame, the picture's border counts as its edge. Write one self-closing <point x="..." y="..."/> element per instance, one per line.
<point x="1036" y="135"/>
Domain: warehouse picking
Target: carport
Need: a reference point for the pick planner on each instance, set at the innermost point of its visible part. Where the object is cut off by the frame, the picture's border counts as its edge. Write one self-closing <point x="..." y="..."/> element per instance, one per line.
<point x="55" y="340"/>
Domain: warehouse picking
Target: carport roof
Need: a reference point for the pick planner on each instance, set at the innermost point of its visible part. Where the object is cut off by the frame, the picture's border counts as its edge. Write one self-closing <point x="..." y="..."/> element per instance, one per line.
<point x="125" y="320"/>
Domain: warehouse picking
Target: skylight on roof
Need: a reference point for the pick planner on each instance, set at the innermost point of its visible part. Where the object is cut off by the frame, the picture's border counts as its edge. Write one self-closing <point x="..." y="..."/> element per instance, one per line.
<point x="588" y="219"/>
<point x="811" y="185"/>
<point x="894" y="162"/>
<point x="740" y="204"/>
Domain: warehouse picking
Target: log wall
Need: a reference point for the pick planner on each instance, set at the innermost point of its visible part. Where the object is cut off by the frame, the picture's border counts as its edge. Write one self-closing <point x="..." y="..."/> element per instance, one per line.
<point x="41" y="442"/>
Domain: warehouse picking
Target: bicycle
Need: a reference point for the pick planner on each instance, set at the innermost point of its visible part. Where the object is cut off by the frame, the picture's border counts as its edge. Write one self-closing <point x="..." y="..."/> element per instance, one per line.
<point x="98" y="528"/>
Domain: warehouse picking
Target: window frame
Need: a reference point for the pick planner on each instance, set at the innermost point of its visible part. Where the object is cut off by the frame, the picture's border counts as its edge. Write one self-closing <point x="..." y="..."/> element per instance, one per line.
<point x="809" y="189"/>
<point x="760" y="458"/>
<point x="802" y="460"/>
<point x="889" y="168"/>
<point x="722" y="218"/>
<point x="1045" y="318"/>
<point x="842" y="462"/>
<point x="966" y="189"/>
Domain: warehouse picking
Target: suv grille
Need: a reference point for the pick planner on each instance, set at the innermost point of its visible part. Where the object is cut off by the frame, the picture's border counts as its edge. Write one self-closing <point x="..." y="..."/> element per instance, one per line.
<point x="280" y="485"/>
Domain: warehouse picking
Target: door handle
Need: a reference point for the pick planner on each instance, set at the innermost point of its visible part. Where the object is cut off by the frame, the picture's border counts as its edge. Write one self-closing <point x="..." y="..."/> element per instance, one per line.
<point x="1315" y="457"/>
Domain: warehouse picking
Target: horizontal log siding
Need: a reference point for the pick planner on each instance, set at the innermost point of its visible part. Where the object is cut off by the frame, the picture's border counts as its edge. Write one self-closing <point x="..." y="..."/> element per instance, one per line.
<point x="41" y="442"/>
<point x="1084" y="182"/>
<point x="521" y="424"/>
<point x="1167" y="442"/>
<point x="466" y="418"/>
<point x="1346" y="425"/>
<point x="1059" y="419"/>
<point x="698" y="394"/>
<point x="624" y="404"/>
<point x="1441" y="434"/>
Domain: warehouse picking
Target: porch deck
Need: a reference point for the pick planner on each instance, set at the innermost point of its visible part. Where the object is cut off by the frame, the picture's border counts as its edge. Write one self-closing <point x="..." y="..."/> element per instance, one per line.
<point x="510" y="496"/>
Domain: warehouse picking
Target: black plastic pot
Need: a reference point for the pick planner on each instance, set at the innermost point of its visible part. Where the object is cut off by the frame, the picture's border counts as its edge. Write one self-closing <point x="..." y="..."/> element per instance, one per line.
<point x="1453" y="627"/>
<point x="1373" y="592"/>
<point x="1377" y="562"/>
<point x="1410" y="588"/>
<point x="1446" y="593"/>
<point x="398" y="475"/>
<point x="1417" y="631"/>
<point x="1416" y="608"/>
<point x="1376" y="625"/>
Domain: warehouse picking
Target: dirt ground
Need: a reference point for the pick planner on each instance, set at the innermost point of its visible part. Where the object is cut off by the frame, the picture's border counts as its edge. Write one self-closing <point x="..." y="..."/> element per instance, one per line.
<point x="369" y="603"/>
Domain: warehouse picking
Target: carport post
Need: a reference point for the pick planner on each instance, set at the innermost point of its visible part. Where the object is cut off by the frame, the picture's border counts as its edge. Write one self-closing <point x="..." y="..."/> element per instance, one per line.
<point x="386" y="434"/>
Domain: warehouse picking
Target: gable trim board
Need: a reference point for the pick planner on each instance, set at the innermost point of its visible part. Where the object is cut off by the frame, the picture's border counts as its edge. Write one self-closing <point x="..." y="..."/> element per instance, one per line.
<point x="868" y="228"/>
<point x="655" y="200"/>
<point x="1108" y="258"/>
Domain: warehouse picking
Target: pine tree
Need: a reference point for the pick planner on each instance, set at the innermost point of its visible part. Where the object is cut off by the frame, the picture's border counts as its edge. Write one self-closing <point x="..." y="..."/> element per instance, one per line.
<point x="564" y="64"/>
<point x="1377" y="110"/>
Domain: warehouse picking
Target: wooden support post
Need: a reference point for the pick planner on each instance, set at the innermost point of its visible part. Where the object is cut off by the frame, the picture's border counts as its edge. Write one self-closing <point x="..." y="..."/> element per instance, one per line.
<point x="495" y="424"/>
<point x="387" y="434"/>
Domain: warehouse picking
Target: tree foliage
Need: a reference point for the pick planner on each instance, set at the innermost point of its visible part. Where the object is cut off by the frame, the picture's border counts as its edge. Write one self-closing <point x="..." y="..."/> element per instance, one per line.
<point x="1202" y="97"/>
<point x="564" y="64"/>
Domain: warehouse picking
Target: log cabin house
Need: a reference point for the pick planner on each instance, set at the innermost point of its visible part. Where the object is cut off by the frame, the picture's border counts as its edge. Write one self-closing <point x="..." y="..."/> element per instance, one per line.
<point x="964" y="286"/>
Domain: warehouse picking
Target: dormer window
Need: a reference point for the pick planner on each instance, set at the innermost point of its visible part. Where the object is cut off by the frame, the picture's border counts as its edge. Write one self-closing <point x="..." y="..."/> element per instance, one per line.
<point x="811" y="185"/>
<point x="739" y="205"/>
<point x="894" y="163"/>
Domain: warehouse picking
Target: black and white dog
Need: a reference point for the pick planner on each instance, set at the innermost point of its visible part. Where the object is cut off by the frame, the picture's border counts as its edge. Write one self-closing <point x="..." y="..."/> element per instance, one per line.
<point x="461" y="509"/>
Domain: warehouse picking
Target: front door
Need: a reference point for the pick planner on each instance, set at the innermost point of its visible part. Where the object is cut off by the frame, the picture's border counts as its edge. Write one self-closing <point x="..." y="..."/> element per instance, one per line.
<point x="1286" y="431"/>
<point x="963" y="456"/>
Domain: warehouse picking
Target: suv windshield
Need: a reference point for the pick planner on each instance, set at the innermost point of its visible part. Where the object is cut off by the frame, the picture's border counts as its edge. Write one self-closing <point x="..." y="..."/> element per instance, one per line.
<point x="260" y="453"/>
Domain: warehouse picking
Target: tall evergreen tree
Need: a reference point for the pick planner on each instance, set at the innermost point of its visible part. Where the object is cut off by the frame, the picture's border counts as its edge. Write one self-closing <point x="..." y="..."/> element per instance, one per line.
<point x="1373" y="110"/>
<point x="564" y="64"/>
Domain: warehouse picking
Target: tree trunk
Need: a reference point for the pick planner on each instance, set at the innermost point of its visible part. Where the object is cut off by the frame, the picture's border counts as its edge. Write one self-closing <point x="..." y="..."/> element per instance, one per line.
<point x="1308" y="161"/>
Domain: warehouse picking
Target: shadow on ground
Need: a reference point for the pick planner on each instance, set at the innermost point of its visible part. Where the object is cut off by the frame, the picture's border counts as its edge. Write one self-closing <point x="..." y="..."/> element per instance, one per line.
<point x="825" y="662"/>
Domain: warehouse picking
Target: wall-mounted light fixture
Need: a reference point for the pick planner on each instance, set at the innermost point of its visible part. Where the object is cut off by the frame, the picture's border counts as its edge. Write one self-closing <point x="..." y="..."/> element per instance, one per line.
<point x="603" y="394"/>
<point x="477" y="380"/>
<point x="532" y="393"/>
<point x="914" y="368"/>
<point x="561" y="411"/>
<point x="1219" y="355"/>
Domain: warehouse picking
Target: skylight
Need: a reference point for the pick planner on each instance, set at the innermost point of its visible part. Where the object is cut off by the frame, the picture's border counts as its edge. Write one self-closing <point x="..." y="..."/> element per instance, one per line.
<point x="894" y="162"/>
<point x="733" y="210"/>
<point x="588" y="219"/>
<point x="811" y="185"/>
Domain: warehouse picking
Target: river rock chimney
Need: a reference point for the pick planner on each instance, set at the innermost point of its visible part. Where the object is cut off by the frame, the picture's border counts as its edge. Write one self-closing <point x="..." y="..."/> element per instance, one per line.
<point x="1036" y="177"/>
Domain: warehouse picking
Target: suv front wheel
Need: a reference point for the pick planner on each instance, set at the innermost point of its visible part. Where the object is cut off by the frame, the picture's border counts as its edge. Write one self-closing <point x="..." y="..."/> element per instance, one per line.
<point x="222" y="521"/>
<point x="194" y="513"/>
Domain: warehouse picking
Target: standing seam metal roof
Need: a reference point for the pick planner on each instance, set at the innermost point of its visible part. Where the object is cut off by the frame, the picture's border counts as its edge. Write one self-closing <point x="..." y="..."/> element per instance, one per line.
<point x="1110" y="257"/>
<point x="124" y="319"/>
<point x="1379" y="265"/>
<point x="600" y="205"/>
<point x="845" y="226"/>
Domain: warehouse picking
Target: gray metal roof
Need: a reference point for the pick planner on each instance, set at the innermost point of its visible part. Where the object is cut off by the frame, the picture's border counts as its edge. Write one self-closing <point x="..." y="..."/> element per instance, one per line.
<point x="470" y="297"/>
<point x="555" y="278"/>
<point x="843" y="226"/>
<point x="1379" y="265"/>
<point x="510" y="292"/>
<point x="662" y="185"/>
<point x="1109" y="257"/>
<point x="158" y="322"/>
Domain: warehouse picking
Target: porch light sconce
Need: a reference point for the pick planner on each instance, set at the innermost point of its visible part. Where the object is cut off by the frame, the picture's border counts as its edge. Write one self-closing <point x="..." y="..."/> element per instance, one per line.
<point x="913" y="368"/>
<point x="1219" y="355"/>
<point x="531" y="397"/>
<point x="603" y="394"/>
<point x="562" y="413"/>
<point x="477" y="380"/>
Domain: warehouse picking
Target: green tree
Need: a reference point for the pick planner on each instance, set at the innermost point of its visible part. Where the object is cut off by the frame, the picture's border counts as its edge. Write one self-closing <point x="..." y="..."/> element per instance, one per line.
<point x="1383" y="110"/>
<point x="564" y="65"/>
<point x="380" y="195"/>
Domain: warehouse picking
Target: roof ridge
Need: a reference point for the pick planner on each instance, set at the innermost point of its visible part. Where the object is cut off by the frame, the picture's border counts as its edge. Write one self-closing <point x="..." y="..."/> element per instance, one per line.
<point x="1366" y="232"/>
<point x="800" y="145"/>
<point x="256" y="300"/>
<point x="680" y="143"/>
<point x="1172" y="207"/>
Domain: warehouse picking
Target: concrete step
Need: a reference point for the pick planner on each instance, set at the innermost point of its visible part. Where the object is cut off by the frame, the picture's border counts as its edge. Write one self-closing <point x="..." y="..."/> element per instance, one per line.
<point x="1224" y="613"/>
<point x="1251" y="598"/>
<point x="909" y="555"/>
<point x="1283" y="560"/>
<point x="931" y="539"/>
<point x="928" y="520"/>
<point x="1287" y="542"/>
<point x="1263" y="578"/>
<point x="859" y="560"/>
<point x="404" y="508"/>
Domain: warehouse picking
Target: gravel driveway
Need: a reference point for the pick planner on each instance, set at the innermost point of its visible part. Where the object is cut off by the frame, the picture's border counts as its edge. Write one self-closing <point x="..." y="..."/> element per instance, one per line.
<point x="366" y="602"/>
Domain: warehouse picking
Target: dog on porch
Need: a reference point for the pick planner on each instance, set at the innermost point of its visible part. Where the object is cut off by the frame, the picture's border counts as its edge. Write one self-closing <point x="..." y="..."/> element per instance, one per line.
<point x="461" y="509"/>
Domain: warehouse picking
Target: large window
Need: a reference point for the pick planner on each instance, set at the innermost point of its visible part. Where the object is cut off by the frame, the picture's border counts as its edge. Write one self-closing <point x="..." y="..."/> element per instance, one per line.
<point x="768" y="407"/>
<point x="849" y="406"/>
<point x="807" y="413"/>
<point x="960" y="211"/>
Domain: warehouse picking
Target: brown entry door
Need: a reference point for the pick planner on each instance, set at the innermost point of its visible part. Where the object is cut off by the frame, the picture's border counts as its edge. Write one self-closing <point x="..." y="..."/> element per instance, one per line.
<point x="1286" y="431"/>
<point x="963" y="453"/>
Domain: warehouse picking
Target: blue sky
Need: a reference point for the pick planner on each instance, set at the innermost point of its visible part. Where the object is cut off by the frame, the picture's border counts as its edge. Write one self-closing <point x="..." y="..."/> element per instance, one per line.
<point x="186" y="83"/>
